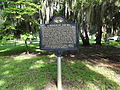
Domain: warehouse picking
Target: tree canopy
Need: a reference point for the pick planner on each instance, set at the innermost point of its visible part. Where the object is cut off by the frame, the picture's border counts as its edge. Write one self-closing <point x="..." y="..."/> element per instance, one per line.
<point x="99" y="18"/>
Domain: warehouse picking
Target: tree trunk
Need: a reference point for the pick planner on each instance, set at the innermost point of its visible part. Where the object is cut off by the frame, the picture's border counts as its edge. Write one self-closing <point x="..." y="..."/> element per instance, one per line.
<point x="85" y="38"/>
<point x="84" y="35"/>
<point x="98" y="22"/>
<point x="85" y="41"/>
<point x="99" y="35"/>
<point x="27" y="49"/>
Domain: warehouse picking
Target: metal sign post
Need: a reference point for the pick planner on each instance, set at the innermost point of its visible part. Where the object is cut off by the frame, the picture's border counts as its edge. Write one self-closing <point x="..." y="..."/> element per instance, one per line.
<point x="59" y="79"/>
<point x="59" y="71"/>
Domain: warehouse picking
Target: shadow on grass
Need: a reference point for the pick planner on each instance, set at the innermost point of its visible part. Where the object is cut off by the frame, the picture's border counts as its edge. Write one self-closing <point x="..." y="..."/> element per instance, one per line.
<point x="12" y="50"/>
<point x="36" y="73"/>
<point x="17" y="50"/>
<point x="80" y="76"/>
<point x="97" y="54"/>
<point x="23" y="74"/>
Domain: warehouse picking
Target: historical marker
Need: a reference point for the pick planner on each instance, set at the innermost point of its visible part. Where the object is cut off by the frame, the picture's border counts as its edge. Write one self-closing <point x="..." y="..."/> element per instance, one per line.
<point x="58" y="36"/>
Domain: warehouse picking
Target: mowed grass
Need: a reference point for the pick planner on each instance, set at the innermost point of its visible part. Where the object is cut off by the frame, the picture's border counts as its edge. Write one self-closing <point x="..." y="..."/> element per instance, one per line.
<point x="38" y="70"/>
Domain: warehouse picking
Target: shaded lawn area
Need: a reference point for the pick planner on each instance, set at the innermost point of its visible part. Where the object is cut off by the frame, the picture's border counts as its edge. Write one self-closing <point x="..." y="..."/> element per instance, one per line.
<point x="90" y="68"/>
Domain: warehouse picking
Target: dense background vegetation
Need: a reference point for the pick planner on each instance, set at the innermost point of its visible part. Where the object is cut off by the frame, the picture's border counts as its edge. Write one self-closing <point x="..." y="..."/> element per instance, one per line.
<point x="97" y="19"/>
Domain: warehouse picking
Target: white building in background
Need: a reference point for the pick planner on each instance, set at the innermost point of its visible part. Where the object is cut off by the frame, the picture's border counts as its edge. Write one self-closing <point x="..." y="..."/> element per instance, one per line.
<point x="114" y="38"/>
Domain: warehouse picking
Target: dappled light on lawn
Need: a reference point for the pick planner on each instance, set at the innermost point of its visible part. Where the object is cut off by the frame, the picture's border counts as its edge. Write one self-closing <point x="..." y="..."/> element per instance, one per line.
<point x="103" y="70"/>
<point x="52" y="56"/>
<point x="15" y="74"/>
<point x="38" y="72"/>
<point x="5" y="73"/>
<point x="2" y="82"/>
<point x="28" y="88"/>
<point x="5" y="50"/>
<point x="92" y="68"/>
<point x="37" y="65"/>
<point x="92" y="86"/>
<point x="83" y="75"/>
<point x="72" y="62"/>
<point x="24" y="56"/>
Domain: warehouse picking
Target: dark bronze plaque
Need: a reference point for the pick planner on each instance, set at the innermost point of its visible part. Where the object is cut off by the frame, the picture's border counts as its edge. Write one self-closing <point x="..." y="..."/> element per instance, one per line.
<point x="58" y="36"/>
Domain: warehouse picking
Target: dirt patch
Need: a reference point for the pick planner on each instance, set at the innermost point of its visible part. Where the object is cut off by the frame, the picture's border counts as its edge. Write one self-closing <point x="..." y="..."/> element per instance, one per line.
<point x="28" y="55"/>
<point x="24" y="56"/>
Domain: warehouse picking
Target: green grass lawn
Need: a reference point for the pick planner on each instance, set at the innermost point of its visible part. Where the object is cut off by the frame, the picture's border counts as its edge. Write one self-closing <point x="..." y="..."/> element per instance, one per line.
<point x="90" y="68"/>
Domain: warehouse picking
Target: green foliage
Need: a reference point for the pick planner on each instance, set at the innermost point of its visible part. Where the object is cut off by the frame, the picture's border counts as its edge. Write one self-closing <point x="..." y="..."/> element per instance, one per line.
<point x="19" y="17"/>
<point x="26" y="15"/>
<point x="21" y="7"/>
<point x="117" y="3"/>
<point x="86" y="3"/>
<point x="26" y="36"/>
<point x="9" y="28"/>
<point x="112" y="43"/>
<point x="35" y="23"/>
<point x="6" y="37"/>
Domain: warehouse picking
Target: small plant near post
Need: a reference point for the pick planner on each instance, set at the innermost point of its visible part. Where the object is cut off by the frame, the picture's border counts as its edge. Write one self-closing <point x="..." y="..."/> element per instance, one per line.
<point x="26" y="37"/>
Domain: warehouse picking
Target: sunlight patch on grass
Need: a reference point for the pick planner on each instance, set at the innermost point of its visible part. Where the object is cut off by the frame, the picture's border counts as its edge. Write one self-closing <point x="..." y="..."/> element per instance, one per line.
<point x="39" y="62"/>
<point x="5" y="73"/>
<point x="28" y="88"/>
<point x="5" y="66"/>
<point x="21" y="42"/>
<point x="52" y="56"/>
<point x="38" y="50"/>
<point x="2" y="82"/>
<point x="106" y="72"/>
<point x="37" y="66"/>
<point x="92" y="86"/>
<point x="21" y="58"/>
<point x="5" y="50"/>
<point x="72" y="62"/>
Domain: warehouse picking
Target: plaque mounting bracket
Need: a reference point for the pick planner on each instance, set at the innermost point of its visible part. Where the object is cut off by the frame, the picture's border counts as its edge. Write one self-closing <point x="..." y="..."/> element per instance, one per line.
<point x="58" y="53"/>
